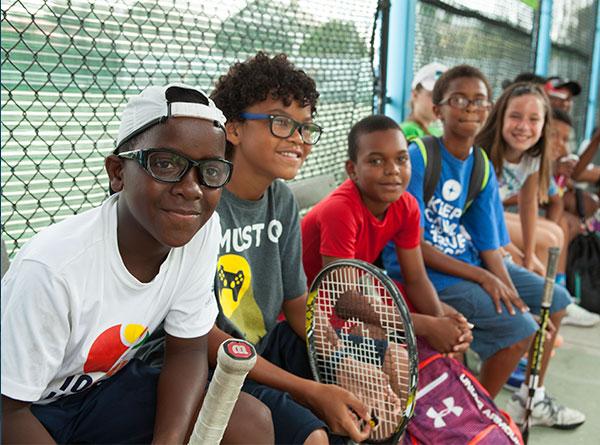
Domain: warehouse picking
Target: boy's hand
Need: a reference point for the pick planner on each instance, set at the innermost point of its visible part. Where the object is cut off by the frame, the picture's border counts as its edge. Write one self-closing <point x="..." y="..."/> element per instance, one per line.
<point x="534" y="264"/>
<point x="550" y="328"/>
<point x="500" y="292"/>
<point x="341" y="410"/>
<point x="450" y="333"/>
<point x="566" y="165"/>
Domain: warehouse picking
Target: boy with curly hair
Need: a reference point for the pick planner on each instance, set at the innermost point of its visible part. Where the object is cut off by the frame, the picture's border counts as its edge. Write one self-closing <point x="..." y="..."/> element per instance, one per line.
<point x="269" y="105"/>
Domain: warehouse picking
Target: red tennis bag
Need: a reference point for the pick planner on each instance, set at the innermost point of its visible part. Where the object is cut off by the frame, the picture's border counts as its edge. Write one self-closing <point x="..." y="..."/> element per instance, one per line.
<point x="453" y="408"/>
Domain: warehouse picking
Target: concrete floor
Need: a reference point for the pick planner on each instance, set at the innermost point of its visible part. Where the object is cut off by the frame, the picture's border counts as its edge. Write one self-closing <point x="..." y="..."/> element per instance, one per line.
<point x="574" y="379"/>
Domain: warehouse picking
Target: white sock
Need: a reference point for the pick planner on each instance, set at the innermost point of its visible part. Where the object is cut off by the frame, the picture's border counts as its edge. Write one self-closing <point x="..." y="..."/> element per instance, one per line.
<point x="539" y="394"/>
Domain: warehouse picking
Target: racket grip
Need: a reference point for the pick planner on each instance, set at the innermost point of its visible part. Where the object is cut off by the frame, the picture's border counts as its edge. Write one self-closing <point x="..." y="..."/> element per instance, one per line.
<point x="234" y="360"/>
<point x="553" y="253"/>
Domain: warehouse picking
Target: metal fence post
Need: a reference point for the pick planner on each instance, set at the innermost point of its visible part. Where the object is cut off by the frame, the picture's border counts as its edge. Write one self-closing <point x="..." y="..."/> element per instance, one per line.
<point x="594" y="79"/>
<point x="544" y="43"/>
<point x="400" y="56"/>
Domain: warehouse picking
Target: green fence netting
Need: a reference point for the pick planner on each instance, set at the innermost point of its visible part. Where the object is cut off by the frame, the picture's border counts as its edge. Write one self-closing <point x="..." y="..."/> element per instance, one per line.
<point x="493" y="35"/>
<point x="67" y="68"/>
<point x="572" y="37"/>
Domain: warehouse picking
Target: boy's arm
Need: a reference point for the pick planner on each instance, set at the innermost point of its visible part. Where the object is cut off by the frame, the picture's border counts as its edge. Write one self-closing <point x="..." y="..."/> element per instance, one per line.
<point x="419" y="289"/>
<point x="587" y="156"/>
<point x="331" y="403"/>
<point x="295" y="314"/>
<point x="181" y="388"/>
<point x="20" y="426"/>
<point x="446" y="334"/>
<point x="491" y="283"/>
<point x="555" y="208"/>
<point x="528" y="209"/>
<point x="495" y="264"/>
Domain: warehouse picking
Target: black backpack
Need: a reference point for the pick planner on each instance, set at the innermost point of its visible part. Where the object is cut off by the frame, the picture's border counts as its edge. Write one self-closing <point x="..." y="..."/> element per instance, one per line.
<point x="583" y="266"/>
<point x="432" y="158"/>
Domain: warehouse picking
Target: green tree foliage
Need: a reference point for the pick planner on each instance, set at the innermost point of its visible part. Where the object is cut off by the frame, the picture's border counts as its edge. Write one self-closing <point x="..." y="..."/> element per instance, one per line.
<point x="334" y="39"/>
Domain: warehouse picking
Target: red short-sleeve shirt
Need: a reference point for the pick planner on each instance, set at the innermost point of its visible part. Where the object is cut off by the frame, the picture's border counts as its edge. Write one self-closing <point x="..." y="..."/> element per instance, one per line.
<point x="341" y="226"/>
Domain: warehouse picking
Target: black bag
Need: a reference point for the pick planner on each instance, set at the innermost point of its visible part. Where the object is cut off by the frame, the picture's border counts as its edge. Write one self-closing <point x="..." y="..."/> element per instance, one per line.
<point x="583" y="269"/>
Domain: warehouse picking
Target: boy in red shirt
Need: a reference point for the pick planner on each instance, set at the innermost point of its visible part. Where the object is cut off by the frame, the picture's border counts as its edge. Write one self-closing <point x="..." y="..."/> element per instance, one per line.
<point x="367" y="211"/>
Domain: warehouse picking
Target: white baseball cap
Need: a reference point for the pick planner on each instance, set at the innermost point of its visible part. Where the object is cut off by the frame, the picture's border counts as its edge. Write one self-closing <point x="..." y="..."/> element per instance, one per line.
<point x="428" y="74"/>
<point x="156" y="104"/>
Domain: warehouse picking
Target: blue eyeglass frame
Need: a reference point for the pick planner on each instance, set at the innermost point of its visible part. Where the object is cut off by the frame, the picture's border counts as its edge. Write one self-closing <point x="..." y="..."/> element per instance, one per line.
<point x="270" y="117"/>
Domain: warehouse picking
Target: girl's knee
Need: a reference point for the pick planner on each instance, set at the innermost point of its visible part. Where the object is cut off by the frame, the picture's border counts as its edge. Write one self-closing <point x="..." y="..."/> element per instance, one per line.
<point x="550" y="237"/>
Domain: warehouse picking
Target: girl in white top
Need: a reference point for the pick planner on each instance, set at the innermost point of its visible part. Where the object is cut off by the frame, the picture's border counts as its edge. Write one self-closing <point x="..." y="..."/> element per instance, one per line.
<point x="515" y="136"/>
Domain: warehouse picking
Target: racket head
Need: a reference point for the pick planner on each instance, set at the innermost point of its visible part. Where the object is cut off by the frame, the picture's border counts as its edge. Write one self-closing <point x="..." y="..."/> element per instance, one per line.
<point x="360" y="336"/>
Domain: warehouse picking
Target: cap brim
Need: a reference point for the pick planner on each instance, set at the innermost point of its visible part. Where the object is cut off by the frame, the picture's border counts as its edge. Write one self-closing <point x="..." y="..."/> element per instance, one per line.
<point x="572" y="86"/>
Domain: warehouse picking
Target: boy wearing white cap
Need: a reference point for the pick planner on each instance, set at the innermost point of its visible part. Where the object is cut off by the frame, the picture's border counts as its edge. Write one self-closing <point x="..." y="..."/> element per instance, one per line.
<point x="82" y="295"/>
<point x="422" y="121"/>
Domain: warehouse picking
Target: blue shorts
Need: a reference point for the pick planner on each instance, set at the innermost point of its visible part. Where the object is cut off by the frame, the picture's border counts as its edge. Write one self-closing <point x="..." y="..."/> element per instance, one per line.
<point x="493" y="331"/>
<point x="292" y="421"/>
<point x="120" y="409"/>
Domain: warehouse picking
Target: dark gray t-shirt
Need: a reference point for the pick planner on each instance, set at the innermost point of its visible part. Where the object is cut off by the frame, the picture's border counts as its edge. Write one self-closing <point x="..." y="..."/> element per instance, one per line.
<point x="260" y="262"/>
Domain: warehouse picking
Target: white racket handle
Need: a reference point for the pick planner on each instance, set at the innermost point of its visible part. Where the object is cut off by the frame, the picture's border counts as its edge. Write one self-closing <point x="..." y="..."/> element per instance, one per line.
<point x="234" y="360"/>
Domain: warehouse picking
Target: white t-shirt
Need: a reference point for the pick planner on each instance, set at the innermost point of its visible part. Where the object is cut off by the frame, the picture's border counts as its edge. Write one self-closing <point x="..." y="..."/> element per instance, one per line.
<point x="515" y="175"/>
<point x="73" y="314"/>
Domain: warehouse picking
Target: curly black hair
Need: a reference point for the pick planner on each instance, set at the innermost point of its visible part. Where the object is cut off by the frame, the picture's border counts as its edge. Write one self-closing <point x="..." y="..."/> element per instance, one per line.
<point x="254" y="80"/>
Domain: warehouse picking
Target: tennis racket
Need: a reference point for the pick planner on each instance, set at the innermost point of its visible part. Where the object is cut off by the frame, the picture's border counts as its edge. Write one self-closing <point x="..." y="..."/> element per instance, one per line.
<point x="234" y="360"/>
<point x="360" y="337"/>
<point x="538" y="342"/>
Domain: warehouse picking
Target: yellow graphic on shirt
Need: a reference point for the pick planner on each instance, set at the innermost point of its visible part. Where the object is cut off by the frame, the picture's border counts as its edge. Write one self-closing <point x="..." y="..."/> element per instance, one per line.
<point x="237" y="296"/>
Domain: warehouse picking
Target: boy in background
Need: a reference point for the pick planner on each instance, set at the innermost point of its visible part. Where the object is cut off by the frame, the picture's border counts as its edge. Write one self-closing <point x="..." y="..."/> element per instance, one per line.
<point x="82" y="295"/>
<point x="422" y="120"/>
<point x="462" y="251"/>
<point x="270" y="105"/>
<point x="371" y="208"/>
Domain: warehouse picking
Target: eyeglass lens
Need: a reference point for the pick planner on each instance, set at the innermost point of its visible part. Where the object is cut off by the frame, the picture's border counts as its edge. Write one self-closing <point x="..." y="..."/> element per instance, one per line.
<point x="171" y="167"/>
<point x="284" y="127"/>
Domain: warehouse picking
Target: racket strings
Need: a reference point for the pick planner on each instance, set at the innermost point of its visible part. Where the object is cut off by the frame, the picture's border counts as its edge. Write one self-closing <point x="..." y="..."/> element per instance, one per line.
<point x="361" y="340"/>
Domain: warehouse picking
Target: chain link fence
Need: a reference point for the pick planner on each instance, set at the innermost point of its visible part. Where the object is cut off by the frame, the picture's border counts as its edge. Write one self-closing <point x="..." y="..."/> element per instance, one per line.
<point x="496" y="36"/>
<point x="572" y="46"/>
<point x="493" y="35"/>
<point x="67" y="68"/>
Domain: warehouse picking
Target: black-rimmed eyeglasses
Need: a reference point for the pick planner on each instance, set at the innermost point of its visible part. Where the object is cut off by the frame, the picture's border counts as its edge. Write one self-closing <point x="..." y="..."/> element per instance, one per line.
<point x="166" y="165"/>
<point x="283" y="127"/>
<point x="461" y="102"/>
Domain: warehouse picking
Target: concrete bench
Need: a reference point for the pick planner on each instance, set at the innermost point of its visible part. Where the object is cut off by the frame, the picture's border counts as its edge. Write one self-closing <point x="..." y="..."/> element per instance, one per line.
<point x="310" y="191"/>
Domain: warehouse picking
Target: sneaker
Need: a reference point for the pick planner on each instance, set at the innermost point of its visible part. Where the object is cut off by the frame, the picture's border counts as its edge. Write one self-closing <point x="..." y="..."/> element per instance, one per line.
<point x="472" y="361"/>
<point x="578" y="316"/>
<point x="546" y="412"/>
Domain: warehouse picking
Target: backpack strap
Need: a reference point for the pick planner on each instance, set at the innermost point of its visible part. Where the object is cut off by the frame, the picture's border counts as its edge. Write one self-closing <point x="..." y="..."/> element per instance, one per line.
<point x="432" y="158"/>
<point x="480" y="176"/>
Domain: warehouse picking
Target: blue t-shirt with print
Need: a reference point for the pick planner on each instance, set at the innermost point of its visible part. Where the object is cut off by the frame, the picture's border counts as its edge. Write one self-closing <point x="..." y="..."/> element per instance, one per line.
<point x="445" y="227"/>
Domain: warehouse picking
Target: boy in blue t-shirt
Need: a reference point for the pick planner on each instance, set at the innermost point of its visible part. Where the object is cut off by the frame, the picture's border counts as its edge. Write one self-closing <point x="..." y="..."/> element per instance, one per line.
<point x="463" y="251"/>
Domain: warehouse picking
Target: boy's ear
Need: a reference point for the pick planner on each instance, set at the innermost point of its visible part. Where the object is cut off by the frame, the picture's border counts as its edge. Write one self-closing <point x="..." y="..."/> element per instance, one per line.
<point x="233" y="132"/>
<point x="351" y="169"/>
<point x="114" y="168"/>
<point x="437" y="111"/>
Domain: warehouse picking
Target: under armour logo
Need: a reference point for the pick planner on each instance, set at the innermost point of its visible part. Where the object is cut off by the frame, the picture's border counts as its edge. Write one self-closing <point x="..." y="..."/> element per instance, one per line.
<point x="438" y="418"/>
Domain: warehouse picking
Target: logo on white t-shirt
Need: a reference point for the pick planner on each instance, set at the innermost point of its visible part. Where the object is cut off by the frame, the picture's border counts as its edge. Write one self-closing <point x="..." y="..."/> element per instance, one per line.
<point x="451" y="190"/>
